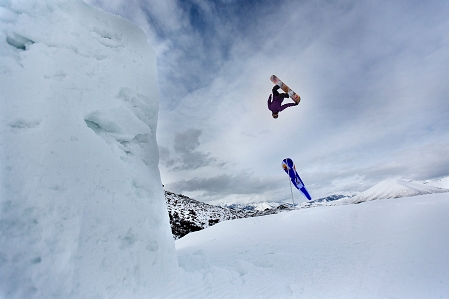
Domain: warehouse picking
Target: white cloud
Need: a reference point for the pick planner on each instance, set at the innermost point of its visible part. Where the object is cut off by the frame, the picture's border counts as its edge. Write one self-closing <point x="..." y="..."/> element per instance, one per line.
<point x="372" y="77"/>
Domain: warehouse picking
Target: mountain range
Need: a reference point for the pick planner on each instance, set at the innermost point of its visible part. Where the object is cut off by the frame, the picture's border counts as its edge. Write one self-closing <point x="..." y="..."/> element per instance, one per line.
<point x="188" y="215"/>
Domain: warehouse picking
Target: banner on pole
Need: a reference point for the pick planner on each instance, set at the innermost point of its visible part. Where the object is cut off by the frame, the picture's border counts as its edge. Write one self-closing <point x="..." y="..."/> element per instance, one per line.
<point x="290" y="168"/>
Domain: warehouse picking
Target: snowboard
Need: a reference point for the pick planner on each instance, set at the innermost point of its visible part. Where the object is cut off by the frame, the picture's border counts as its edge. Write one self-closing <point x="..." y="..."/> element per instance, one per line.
<point x="293" y="95"/>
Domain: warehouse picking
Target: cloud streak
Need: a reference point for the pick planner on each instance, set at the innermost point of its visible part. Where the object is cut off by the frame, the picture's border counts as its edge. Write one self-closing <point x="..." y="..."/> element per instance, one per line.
<point x="187" y="154"/>
<point x="228" y="187"/>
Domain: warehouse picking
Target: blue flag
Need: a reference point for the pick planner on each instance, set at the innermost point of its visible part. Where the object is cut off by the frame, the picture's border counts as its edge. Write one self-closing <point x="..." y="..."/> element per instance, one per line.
<point x="290" y="169"/>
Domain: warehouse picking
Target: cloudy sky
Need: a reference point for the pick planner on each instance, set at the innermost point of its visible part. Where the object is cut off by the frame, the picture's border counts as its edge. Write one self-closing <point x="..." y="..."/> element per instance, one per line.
<point x="373" y="77"/>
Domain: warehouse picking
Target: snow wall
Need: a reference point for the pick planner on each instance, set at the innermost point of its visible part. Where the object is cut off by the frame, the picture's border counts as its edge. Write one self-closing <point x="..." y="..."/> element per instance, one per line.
<point x="82" y="209"/>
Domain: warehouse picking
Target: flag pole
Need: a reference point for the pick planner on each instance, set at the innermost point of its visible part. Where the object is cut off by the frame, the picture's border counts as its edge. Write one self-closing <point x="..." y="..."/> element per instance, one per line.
<point x="291" y="190"/>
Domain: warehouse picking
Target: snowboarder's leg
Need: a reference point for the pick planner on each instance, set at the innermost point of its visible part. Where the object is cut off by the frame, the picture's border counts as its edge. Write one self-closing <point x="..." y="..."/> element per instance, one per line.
<point x="288" y="95"/>
<point x="284" y="95"/>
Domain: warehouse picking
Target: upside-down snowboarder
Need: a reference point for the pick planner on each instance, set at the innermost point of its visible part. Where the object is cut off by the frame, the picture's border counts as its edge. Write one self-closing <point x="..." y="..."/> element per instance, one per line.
<point x="275" y="102"/>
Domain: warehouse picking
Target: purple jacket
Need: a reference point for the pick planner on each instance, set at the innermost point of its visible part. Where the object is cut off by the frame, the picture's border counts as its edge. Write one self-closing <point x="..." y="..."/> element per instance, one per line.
<point x="275" y="105"/>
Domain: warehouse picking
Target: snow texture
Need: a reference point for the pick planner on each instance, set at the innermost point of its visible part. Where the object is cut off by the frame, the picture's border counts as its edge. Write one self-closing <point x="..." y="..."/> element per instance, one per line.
<point x="391" y="248"/>
<point x="82" y="210"/>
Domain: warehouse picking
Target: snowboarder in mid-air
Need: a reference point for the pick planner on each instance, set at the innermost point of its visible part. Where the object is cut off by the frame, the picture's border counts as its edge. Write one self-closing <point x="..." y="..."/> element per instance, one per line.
<point x="275" y="102"/>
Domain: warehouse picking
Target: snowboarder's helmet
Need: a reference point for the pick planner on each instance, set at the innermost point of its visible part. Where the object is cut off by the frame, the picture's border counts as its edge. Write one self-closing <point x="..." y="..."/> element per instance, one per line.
<point x="275" y="115"/>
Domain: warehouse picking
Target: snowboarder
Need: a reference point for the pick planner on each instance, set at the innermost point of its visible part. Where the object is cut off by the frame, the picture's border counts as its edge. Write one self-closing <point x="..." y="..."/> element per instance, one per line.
<point x="275" y="102"/>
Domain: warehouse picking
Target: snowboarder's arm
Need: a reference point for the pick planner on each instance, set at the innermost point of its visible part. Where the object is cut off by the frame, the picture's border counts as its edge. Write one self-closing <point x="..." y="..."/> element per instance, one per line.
<point x="269" y="101"/>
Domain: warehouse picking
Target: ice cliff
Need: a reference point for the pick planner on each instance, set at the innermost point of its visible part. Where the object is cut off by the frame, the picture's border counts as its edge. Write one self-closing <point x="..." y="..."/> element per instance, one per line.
<point x="82" y="210"/>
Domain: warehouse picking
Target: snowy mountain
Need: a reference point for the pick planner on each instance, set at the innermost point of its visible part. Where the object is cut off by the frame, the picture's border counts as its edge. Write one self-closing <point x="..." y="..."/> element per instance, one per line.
<point x="253" y="207"/>
<point x="440" y="183"/>
<point x="189" y="215"/>
<point x="333" y="199"/>
<point x="395" y="188"/>
<point x="265" y="206"/>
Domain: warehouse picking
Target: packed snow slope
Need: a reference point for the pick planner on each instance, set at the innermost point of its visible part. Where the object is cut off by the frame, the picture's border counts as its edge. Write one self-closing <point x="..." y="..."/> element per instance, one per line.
<point x="391" y="248"/>
<point x="82" y="210"/>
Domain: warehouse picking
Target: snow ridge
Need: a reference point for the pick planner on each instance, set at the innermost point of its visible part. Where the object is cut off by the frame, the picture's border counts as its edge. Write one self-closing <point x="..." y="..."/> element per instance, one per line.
<point x="395" y="188"/>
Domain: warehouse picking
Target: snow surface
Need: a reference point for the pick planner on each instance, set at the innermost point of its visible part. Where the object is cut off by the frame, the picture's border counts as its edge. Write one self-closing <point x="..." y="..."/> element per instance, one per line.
<point x="82" y="209"/>
<point x="391" y="248"/>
